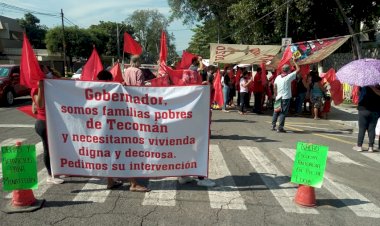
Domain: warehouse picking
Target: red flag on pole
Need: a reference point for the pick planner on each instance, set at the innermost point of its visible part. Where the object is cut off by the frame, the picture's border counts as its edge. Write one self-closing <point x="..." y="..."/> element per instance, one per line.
<point x="218" y="96"/>
<point x="30" y="71"/>
<point x="161" y="81"/>
<point x="285" y="59"/>
<point x="116" y="73"/>
<point x="336" y="88"/>
<point x="92" y="67"/>
<point x="186" y="60"/>
<point x="164" y="48"/>
<point x="131" y="46"/>
<point x="264" y="78"/>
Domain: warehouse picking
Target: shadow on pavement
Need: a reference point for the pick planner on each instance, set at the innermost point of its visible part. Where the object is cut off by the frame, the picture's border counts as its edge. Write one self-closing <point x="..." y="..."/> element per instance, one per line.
<point x="234" y="120"/>
<point x="340" y="203"/>
<point x="64" y="203"/>
<point x="237" y="137"/>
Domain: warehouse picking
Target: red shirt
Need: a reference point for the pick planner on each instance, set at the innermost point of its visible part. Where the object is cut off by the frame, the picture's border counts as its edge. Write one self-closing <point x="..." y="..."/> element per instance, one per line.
<point x="41" y="114"/>
<point x="257" y="84"/>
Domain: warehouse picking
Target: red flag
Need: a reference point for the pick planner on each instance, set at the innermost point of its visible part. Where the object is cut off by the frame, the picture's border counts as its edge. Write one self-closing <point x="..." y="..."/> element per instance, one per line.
<point x="164" y="48"/>
<point x="186" y="60"/>
<point x="356" y="94"/>
<point x="238" y="77"/>
<point x="336" y="88"/>
<point x="116" y="73"/>
<point x="285" y="59"/>
<point x="218" y="96"/>
<point x="92" y="67"/>
<point x="30" y="71"/>
<point x="131" y="46"/>
<point x="161" y="81"/>
<point x="304" y="70"/>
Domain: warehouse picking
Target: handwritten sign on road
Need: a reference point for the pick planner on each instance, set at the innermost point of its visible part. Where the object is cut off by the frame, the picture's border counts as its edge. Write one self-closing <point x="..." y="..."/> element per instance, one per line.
<point x="309" y="164"/>
<point x="19" y="167"/>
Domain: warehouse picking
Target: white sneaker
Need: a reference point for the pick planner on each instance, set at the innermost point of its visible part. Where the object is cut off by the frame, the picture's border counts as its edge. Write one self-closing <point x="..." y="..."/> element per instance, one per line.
<point x="358" y="149"/>
<point x="370" y="149"/>
<point x="52" y="180"/>
<point x="206" y="183"/>
<point x="185" y="180"/>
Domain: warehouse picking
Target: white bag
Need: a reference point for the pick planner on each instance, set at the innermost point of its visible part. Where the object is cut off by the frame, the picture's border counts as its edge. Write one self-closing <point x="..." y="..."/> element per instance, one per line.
<point x="378" y="127"/>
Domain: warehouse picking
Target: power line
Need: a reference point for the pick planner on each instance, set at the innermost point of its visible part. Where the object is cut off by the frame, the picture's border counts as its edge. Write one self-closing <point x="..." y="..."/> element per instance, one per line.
<point x="70" y="22"/>
<point x="258" y="19"/>
<point x="16" y="8"/>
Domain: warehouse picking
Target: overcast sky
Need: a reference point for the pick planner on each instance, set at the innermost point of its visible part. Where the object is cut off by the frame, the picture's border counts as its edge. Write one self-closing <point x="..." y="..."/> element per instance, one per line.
<point x="86" y="12"/>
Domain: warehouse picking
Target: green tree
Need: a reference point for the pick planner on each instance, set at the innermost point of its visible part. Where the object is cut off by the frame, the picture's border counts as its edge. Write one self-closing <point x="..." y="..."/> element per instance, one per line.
<point x="35" y="31"/>
<point x="148" y="25"/>
<point x="79" y="42"/>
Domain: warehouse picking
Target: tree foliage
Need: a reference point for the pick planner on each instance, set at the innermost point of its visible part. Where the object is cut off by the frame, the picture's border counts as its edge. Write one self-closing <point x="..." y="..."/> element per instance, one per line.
<point x="79" y="42"/>
<point x="34" y="30"/>
<point x="263" y="21"/>
<point x="148" y="25"/>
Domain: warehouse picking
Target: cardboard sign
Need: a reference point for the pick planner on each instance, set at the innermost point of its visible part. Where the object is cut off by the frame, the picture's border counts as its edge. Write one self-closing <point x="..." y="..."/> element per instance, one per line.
<point x="309" y="164"/>
<point x="19" y="167"/>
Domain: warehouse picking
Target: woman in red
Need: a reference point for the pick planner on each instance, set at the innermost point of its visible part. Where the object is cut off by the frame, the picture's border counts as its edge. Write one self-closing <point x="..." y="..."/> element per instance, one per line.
<point x="38" y="99"/>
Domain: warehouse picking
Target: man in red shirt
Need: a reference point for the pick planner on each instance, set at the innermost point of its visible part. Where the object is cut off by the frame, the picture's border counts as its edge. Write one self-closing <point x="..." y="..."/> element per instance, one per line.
<point x="258" y="90"/>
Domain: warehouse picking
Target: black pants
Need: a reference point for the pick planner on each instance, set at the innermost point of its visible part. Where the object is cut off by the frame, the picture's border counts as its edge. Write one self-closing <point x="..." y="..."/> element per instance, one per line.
<point x="367" y="122"/>
<point x="243" y="101"/>
<point x="258" y="98"/>
<point x="40" y="127"/>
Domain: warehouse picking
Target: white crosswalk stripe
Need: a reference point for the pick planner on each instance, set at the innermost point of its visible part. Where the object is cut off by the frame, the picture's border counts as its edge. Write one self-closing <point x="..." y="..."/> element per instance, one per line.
<point x="282" y="190"/>
<point x="163" y="193"/>
<point x="373" y="156"/>
<point x="94" y="191"/>
<point x="222" y="197"/>
<point x="359" y="204"/>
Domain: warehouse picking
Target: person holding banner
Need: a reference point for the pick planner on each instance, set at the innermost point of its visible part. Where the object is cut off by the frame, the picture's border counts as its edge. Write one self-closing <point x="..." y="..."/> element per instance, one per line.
<point x="283" y="94"/>
<point x="38" y="99"/>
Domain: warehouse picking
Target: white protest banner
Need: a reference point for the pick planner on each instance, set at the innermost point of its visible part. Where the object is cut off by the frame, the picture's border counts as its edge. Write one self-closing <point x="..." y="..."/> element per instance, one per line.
<point x="242" y="54"/>
<point x="108" y="130"/>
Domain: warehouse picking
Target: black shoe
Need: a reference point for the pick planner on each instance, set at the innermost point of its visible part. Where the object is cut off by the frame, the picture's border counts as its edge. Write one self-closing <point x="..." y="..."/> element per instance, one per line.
<point x="273" y="128"/>
<point x="281" y="131"/>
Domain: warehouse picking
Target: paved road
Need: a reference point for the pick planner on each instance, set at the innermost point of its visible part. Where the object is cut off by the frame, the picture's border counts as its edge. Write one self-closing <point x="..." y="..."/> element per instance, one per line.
<point x="250" y="164"/>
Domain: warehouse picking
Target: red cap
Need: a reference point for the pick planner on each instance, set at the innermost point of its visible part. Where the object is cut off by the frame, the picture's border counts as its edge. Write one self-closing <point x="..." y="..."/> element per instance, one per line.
<point x="18" y="143"/>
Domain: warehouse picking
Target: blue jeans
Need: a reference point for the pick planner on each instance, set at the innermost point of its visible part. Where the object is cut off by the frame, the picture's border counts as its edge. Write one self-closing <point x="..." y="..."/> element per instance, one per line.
<point x="299" y="102"/>
<point x="285" y="103"/>
<point x="367" y="122"/>
<point x="226" y="94"/>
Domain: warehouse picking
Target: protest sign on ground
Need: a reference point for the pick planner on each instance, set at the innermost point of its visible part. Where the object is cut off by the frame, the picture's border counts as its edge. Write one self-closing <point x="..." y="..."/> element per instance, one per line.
<point x="309" y="164"/>
<point x="19" y="167"/>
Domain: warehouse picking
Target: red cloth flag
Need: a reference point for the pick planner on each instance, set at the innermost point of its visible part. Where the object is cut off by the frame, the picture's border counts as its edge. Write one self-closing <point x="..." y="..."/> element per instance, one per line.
<point x="218" y="96"/>
<point x="356" y="94"/>
<point x="186" y="60"/>
<point x="304" y="70"/>
<point x="164" y="48"/>
<point x="183" y="77"/>
<point x="131" y="46"/>
<point x="285" y="59"/>
<point x="30" y="71"/>
<point x="160" y="81"/>
<point x="92" y="67"/>
<point x="336" y="88"/>
<point x="238" y="77"/>
<point x="116" y="73"/>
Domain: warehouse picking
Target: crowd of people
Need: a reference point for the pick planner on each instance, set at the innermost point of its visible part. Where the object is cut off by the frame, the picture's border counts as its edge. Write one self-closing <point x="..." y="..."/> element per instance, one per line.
<point x="287" y="90"/>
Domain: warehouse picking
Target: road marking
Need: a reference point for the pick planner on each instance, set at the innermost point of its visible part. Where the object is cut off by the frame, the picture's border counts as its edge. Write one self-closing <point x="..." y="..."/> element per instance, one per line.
<point x="324" y="129"/>
<point x="282" y="190"/>
<point x="306" y="123"/>
<point x="374" y="156"/>
<point x="95" y="190"/>
<point x="359" y="204"/>
<point x="334" y="138"/>
<point x="8" y="142"/>
<point x="293" y="128"/>
<point x="340" y="158"/>
<point x="16" y="125"/>
<point x="163" y="192"/>
<point x="222" y="197"/>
